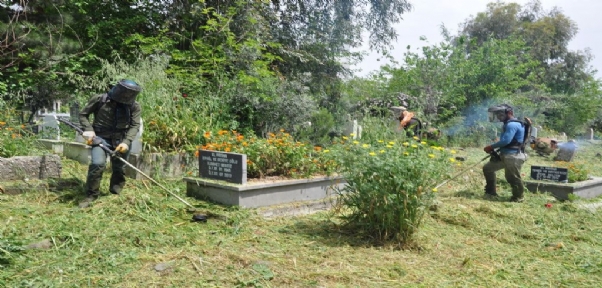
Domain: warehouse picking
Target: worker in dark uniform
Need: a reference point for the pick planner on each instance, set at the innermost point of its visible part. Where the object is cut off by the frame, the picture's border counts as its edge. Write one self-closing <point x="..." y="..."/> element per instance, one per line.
<point x="116" y="123"/>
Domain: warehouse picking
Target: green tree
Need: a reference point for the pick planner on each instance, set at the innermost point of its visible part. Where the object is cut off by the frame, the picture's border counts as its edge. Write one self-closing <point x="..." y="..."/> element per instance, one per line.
<point x="545" y="33"/>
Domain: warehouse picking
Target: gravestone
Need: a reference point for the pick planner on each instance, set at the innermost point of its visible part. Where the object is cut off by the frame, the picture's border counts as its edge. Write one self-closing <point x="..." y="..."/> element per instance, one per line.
<point x="534" y="132"/>
<point x="137" y="142"/>
<point x="50" y="128"/>
<point x="566" y="151"/>
<point x="591" y="133"/>
<point x="230" y="167"/>
<point x="354" y="128"/>
<point x="549" y="173"/>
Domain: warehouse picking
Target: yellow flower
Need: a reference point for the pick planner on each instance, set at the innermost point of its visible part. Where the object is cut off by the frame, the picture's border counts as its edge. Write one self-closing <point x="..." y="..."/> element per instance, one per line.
<point x="452" y="151"/>
<point x="352" y="134"/>
<point x="452" y="160"/>
<point x="405" y="144"/>
<point x="389" y="146"/>
<point x="458" y="164"/>
<point x="326" y="151"/>
<point x="415" y="137"/>
<point x="435" y="190"/>
<point x="391" y="143"/>
<point x="372" y="153"/>
<point x="2" y="123"/>
<point x="365" y="145"/>
<point x="414" y="146"/>
<point x="406" y="153"/>
<point x="431" y="155"/>
<point x="345" y="137"/>
<point x="381" y="141"/>
<point x="382" y="151"/>
<point x="423" y="143"/>
<point x="355" y="142"/>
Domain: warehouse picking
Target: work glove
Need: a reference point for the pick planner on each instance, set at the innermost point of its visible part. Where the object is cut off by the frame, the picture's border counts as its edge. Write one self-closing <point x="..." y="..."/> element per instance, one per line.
<point x="488" y="149"/>
<point x="89" y="136"/>
<point x="122" y="148"/>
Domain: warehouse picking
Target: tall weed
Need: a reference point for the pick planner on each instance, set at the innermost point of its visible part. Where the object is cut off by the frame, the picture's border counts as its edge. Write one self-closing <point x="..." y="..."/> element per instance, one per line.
<point x="389" y="184"/>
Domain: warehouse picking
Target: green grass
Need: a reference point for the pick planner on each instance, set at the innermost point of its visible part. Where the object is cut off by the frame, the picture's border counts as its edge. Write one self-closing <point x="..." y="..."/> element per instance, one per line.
<point x="467" y="241"/>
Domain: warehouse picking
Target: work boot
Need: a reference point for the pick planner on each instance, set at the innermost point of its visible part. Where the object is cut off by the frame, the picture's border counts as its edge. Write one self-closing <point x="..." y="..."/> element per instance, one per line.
<point x="490" y="190"/>
<point x="115" y="189"/>
<point x="117" y="183"/>
<point x="93" y="181"/>
<point x="517" y="199"/>
<point x="86" y="202"/>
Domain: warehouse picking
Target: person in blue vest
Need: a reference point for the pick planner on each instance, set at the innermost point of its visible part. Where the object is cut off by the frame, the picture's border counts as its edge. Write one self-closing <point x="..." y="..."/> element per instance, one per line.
<point x="511" y="153"/>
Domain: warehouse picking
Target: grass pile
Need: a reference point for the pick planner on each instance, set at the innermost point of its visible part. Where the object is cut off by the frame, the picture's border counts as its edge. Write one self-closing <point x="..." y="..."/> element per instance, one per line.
<point x="145" y="238"/>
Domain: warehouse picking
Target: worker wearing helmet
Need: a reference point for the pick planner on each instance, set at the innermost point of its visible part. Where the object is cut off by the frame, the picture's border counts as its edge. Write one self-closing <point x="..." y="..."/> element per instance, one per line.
<point x="511" y="153"/>
<point x="116" y="123"/>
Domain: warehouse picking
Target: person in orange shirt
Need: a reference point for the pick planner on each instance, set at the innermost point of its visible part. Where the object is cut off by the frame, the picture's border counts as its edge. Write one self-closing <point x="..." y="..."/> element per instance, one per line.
<point x="407" y="122"/>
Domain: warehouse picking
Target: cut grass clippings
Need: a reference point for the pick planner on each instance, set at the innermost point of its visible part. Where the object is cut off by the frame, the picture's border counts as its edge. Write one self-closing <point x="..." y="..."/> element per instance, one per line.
<point x="145" y="238"/>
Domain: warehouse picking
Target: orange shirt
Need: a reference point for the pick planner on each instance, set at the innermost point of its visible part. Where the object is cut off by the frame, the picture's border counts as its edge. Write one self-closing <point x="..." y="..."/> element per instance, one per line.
<point x="407" y="116"/>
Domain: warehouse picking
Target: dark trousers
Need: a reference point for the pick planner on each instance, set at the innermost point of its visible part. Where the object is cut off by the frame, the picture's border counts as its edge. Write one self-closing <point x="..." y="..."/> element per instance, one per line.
<point x="512" y="164"/>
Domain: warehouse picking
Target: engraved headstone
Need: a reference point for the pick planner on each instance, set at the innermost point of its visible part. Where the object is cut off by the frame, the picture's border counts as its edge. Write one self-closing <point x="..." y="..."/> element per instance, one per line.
<point x="534" y="132"/>
<point x="231" y="167"/>
<point x="549" y="173"/>
<point x="591" y="133"/>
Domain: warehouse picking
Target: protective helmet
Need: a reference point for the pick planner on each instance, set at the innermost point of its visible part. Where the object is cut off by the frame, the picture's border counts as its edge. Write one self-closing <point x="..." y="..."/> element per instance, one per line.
<point x="498" y="110"/>
<point x="125" y="91"/>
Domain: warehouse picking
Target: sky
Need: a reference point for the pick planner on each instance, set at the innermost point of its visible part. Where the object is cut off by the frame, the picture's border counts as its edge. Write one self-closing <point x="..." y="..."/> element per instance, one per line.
<point x="426" y="17"/>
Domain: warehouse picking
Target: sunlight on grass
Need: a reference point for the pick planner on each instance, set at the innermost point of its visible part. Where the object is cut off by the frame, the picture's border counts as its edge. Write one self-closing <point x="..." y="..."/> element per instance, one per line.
<point x="465" y="241"/>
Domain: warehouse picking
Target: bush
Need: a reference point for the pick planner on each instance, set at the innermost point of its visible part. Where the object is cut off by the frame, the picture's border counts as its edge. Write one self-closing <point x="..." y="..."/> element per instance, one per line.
<point x="389" y="185"/>
<point x="577" y="171"/>
<point x="278" y="155"/>
<point x="15" y="139"/>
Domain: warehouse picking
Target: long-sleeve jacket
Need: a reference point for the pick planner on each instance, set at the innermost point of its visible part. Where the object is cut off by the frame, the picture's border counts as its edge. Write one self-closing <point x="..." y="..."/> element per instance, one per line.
<point x="112" y="120"/>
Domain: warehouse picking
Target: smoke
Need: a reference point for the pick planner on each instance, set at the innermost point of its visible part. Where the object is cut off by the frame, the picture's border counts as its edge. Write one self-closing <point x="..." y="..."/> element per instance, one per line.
<point x="474" y="120"/>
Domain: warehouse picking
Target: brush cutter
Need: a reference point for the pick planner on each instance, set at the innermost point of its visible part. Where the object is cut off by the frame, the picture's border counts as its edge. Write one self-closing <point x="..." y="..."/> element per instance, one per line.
<point x="114" y="154"/>
<point x="493" y="155"/>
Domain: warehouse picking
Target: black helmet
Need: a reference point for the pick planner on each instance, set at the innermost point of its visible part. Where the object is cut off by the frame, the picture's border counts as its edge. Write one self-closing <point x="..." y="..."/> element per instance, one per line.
<point x="125" y="91"/>
<point x="495" y="111"/>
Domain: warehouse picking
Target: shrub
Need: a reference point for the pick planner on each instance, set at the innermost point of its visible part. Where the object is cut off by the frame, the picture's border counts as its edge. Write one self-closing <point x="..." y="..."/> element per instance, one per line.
<point x="389" y="184"/>
<point x="16" y="140"/>
<point x="577" y="171"/>
<point x="278" y="155"/>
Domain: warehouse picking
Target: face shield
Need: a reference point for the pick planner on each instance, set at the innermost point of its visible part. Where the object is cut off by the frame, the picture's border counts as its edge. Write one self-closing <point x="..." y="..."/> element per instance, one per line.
<point x="498" y="113"/>
<point x="125" y="91"/>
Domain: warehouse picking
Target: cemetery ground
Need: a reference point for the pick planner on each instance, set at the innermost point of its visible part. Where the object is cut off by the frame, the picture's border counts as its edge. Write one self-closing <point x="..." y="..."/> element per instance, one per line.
<point x="145" y="238"/>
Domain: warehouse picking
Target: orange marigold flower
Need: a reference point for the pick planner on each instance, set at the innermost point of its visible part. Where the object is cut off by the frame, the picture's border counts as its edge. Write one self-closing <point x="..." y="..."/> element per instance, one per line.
<point x="227" y="149"/>
<point x="196" y="153"/>
<point x="222" y="132"/>
<point x="207" y="134"/>
<point x="240" y="137"/>
<point x="318" y="148"/>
